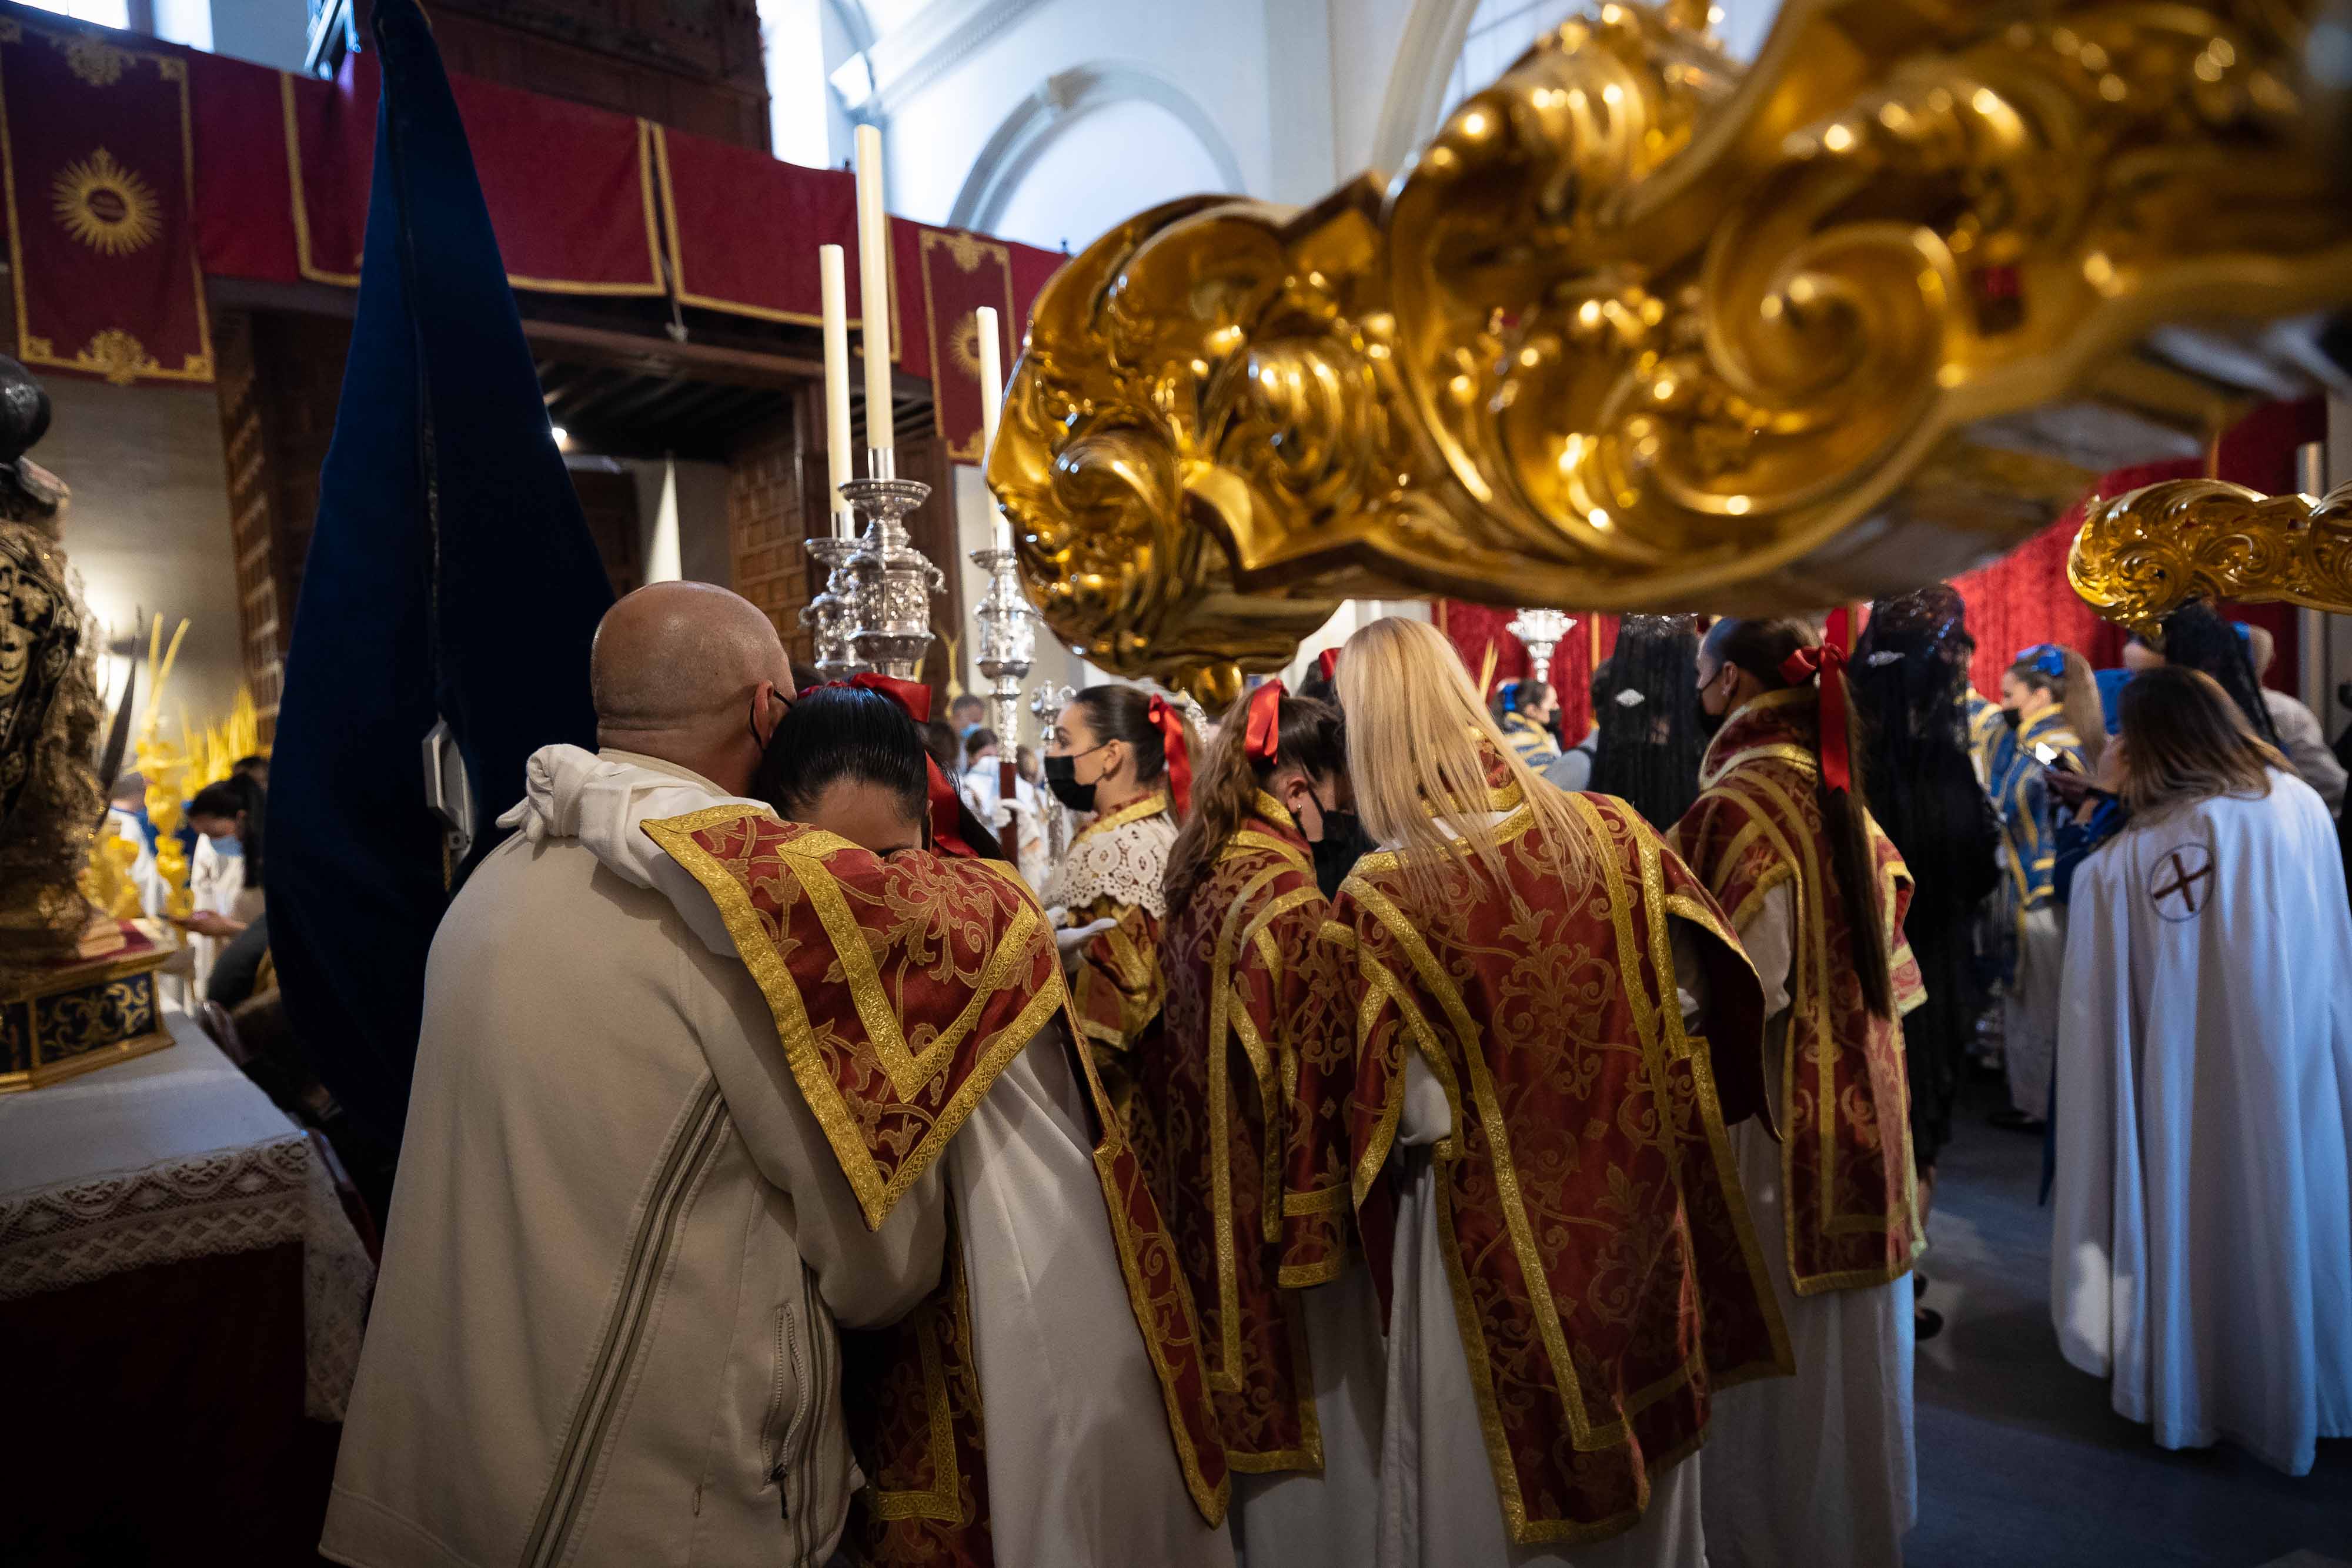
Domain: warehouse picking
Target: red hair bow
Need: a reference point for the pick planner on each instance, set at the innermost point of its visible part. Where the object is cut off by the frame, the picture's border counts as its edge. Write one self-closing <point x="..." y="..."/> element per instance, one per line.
<point x="1827" y="664"/>
<point x="1170" y="725"/>
<point x="914" y="699"/>
<point x="1328" y="661"/>
<point x="1261" y="742"/>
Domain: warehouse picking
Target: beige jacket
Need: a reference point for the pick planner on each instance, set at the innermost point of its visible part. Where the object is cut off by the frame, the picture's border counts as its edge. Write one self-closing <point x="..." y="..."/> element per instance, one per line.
<point x="604" y="1329"/>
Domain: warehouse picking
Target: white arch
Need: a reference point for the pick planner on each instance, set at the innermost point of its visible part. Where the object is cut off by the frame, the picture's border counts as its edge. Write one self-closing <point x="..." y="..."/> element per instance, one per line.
<point x="1046" y="112"/>
<point x="1425" y="58"/>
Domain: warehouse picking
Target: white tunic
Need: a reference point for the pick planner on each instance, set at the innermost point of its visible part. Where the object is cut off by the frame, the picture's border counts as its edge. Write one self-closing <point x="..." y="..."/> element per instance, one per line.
<point x="1081" y="1467"/>
<point x="1440" y="1507"/>
<point x="2201" y="1255"/>
<point x="1329" y="1520"/>
<point x="1815" y="1470"/>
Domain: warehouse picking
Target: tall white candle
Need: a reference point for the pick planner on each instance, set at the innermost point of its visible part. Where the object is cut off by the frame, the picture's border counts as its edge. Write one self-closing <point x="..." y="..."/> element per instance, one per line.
<point x="991" y="406"/>
<point x="873" y="292"/>
<point x="834" y="287"/>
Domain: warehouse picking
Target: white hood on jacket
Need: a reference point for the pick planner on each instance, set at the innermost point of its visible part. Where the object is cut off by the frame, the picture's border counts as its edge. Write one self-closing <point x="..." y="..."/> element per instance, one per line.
<point x="603" y="799"/>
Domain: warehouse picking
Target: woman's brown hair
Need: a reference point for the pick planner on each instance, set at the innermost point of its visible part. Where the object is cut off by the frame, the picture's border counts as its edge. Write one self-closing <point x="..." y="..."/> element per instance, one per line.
<point x="2185" y="741"/>
<point x="1229" y="777"/>
<point x="2075" y="686"/>
<point x="1760" y="648"/>
<point x="1124" y="713"/>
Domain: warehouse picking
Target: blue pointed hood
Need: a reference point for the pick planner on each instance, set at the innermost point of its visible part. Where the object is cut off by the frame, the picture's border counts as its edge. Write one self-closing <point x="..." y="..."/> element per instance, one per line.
<point x="450" y="576"/>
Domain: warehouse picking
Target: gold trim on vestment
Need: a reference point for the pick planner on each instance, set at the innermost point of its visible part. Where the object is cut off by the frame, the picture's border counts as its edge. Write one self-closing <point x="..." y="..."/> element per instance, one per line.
<point x="1693" y="1052"/>
<point x="943" y="1500"/>
<point x="1210" y="1501"/>
<point x="876" y="1193"/>
<point x="1133" y="811"/>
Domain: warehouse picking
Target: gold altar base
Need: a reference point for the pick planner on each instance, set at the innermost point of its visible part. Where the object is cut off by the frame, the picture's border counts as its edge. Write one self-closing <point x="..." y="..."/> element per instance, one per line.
<point x="82" y="1016"/>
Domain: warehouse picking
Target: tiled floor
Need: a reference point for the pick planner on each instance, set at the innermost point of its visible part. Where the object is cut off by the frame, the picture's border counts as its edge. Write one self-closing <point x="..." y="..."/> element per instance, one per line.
<point x="2022" y="1464"/>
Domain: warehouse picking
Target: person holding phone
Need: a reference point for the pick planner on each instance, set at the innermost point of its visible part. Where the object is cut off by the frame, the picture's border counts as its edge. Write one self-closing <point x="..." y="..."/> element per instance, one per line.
<point x="2052" y="728"/>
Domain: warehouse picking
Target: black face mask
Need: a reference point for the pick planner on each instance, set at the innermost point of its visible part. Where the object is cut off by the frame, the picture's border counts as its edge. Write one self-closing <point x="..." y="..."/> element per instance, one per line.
<point x="1343" y="843"/>
<point x="1062" y="779"/>
<point x="2012" y="717"/>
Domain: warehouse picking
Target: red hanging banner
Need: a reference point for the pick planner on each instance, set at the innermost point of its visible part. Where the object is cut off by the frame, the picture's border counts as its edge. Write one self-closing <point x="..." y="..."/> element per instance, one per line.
<point x="98" y="163"/>
<point x="961" y="272"/>
<point x="570" y="189"/>
<point x="743" y="231"/>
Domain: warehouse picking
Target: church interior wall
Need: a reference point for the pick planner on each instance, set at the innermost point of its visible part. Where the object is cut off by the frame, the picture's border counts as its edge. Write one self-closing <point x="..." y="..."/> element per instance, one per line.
<point x="149" y="528"/>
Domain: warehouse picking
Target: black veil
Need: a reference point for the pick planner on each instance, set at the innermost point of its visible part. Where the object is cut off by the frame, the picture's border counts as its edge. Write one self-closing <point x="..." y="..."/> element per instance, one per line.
<point x="1909" y="675"/>
<point x="1646" y="704"/>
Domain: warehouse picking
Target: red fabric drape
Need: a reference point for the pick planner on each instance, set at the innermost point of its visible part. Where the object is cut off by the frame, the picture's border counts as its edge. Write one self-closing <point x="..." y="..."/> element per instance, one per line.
<point x="2024" y="598"/>
<point x="1471" y="627"/>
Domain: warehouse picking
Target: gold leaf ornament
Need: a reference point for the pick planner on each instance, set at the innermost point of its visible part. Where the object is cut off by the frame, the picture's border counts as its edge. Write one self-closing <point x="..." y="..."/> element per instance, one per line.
<point x="1642" y="329"/>
<point x="117" y="356"/>
<point x="105" y="205"/>
<point x="2142" y="555"/>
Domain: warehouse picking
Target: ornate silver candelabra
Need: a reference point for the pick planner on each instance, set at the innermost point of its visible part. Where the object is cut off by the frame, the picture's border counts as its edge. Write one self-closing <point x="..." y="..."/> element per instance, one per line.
<point x="1008" y="643"/>
<point x="1540" y="632"/>
<point x="1047" y="703"/>
<point x="833" y="614"/>
<point x="893" y="580"/>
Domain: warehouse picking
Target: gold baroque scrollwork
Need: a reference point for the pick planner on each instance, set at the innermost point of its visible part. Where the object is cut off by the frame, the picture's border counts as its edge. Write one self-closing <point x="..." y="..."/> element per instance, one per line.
<point x="2141" y="556"/>
<point x="1642" y="330"/>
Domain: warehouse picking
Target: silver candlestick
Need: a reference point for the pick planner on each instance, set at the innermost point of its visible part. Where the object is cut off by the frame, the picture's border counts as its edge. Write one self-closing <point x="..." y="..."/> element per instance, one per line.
<point x="894" y="580"/>
<point x="1047" y="703"/>
<point x="1008" y="643"/>
<point x="833" y="614"/>
<point x="1541" y="632"/>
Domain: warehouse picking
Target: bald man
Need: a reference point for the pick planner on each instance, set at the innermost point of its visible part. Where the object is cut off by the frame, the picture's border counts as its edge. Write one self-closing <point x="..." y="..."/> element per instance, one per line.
<point x="619" y="1247"/>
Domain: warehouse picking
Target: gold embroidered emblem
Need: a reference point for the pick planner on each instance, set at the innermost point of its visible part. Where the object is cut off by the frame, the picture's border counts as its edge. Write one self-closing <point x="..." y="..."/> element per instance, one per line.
<point x="94" y="60"/>
<point x="105" y="205"/>
<point x="963" y="346"/>
<point x="117" y="356"/>
<point x="964" y="249"/>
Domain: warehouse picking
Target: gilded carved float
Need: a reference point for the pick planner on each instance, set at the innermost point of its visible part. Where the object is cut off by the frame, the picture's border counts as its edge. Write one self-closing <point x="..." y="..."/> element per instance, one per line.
<point x="2142" y="555"/>
<point x="1643" y="329"/>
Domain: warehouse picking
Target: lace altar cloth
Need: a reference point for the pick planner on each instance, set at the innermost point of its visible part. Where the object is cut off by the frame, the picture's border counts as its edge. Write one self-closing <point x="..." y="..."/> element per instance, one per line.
<point x="173" y="1156"/>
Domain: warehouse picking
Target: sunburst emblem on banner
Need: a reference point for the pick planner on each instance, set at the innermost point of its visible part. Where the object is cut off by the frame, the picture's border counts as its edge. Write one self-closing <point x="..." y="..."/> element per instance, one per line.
<point x="105" y="205"/>
<point x="964" y="347"/>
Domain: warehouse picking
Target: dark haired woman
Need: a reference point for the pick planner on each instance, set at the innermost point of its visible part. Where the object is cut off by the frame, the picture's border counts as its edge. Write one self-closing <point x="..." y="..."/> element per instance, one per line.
<point x="1652" y="737"/>
<point x="913" y="990"/>
<point x="1295" y="1371"/>
<point x="225" y="875"/>
<point x="1125" y="757"/>
<point x="2201" y="1245"/>
<point x="1819" y="1469"/>
<point x="2052" y="723"/>
<point x="1910" y="677"/>
<point x="1526" y="711"/>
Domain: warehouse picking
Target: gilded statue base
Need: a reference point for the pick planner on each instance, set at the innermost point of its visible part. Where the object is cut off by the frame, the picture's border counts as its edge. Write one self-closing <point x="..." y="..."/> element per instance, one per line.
<point x="76" y="1017"/>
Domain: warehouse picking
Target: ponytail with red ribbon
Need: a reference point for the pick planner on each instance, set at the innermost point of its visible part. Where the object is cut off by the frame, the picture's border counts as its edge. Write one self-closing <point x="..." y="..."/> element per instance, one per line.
<point x="1170" y="723"/>
<point x="914" y="699"/>
<point x="1262" y="741"/>
<point x="1328" y="661"/>
<point x="1827" y="664"/>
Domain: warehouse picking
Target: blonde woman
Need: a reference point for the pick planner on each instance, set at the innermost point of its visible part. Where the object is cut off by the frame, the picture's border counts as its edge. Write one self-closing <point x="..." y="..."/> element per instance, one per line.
<point x="2201" y="1247"/>
<point x="1517" y="968"/>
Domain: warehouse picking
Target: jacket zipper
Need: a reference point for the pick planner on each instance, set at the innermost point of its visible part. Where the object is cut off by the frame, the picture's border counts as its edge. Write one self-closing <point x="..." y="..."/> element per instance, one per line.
<point x="780" y="1426"/>
<point x="649" y="1252"/>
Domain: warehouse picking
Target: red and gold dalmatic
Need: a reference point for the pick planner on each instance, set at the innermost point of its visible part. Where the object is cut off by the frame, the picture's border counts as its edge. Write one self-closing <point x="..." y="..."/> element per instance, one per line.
<point x="1605" y="1277"/>
<point x="1115" y="870"/>
<point x="900" y="987"/>
<point x="1844" y="1103"/>
<point x="1213" y="1082"/>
